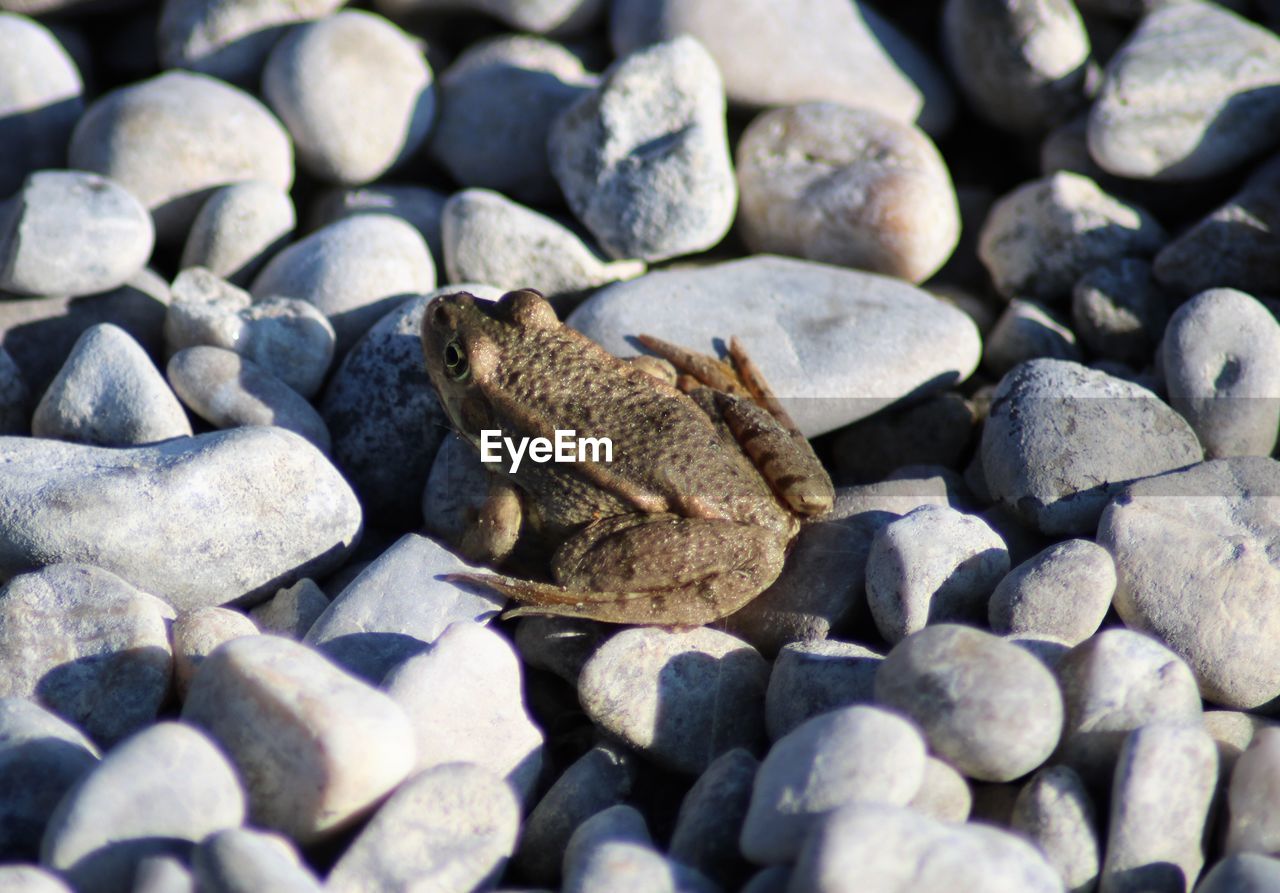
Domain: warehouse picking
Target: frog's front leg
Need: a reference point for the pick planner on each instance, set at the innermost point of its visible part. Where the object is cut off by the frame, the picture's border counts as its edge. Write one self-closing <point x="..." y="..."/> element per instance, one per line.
<point x="492" y="534"/>
<point x="653" y="569"/>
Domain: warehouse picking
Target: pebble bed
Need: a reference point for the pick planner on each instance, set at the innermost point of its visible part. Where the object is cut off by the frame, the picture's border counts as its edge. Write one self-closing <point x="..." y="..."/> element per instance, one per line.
<point x="1013" y="266"/>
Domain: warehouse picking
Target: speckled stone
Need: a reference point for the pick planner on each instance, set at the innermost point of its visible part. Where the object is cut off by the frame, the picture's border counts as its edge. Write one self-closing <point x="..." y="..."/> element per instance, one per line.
<point x="238" y="228"/>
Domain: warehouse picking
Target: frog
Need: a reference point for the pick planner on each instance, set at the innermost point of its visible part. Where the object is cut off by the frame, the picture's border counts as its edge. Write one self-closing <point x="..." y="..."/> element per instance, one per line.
<point x="708" y="485"/>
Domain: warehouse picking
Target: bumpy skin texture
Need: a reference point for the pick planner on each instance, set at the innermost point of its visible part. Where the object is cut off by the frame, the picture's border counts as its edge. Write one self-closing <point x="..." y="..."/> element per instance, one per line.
<point x="693" y="516"/>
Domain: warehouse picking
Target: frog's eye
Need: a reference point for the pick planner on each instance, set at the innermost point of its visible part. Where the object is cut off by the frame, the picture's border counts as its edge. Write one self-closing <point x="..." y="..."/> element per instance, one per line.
<point x="455" y="361"/>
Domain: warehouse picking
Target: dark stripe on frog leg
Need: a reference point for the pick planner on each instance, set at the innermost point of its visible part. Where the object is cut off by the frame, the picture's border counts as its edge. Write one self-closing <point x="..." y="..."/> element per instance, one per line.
<point x="708" y="370"/>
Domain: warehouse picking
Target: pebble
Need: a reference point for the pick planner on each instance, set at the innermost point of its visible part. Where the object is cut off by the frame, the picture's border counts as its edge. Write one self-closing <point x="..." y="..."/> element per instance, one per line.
<point x="880" y="502"/>
<point x="705" y="836"/>
<point x="1112" y="683"/>
<point x="465" y="701"/>
<point x="355" y="93"/>
<point x="987" y="707"/>
<point x="1027" y="330"/>
<point x="108" y="231"/>
<point x="1252" y="825"/>
<point x="292" y="610"/>
<point x="934" y="565"/>
<point x="287" y="337"/>
<point x="109" y="393"/>
<point x="559" y="645"/>
<point x="161" y="790"/>
<point x="230" y="391"/>
<point x="232" y="38"/>
<point x="810" y="678"/>
<point x="397" y="606"/>
<point x="38" y="333"/>
<point x="162" y="873"/>
<point x="498" y="99"/>
<point x="457" y="487"/>
<point x="875" y="846"/>
<point x="489" y="238"/>
<point x="197" y="633"/>
<point x="612" y="852"/>
<point x="15" y="397"/>
<point x="1190" y="94"/>
<point x="356" y="270"/>
<point x="853" y="754"/>
<point x="847" y="186"/>
<point x="1044" y="235"/>
<point x="1160" y="801"/>
<point x="41" y="758"/>
<point x="451" y="827"/>
<point x="943" y="793"/>
<point x="708" y="685"/>
<point x="173" y="137"/>
<point x="599" y="779"/>
<point x="1196" y="566"/>
<point x="419" y="206"/>
<point x="1233" y="731"/>
<point x="537" y="16"/>
<point x="1243" y="873"/>
<point x="30" y="879"/>
<point x="163" y="517"/>
<point x="825" y="51"/>
<point x="1118" y="311"/>
<point x="836" y="344"/>
<point x="41" y="97"/>
<point x="1120" y="432"/>
<point x="934" y="431"/>
<point x="1062" y="592"/>
<point x="1221" y="355"/>
<point x="86" y="645"/>
<point x="1055" y="812"/>
<point x="316" y="747"/>
<point x="238" y="228"/>
<point x="643" y="160"/>
<point x="242" y="860"/>
<point x="1022" y="67"/>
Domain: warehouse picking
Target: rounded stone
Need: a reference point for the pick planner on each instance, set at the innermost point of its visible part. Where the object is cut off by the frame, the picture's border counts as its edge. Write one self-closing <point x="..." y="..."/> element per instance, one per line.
<point x="1221" y="354"/>
<point x="536" y="16"/>
<point x="354" y="91"/>
<point x="1062" y="592"/>
<point x="710" y="686"/>
<point x="943" y="794"/>
<point x="1243" y="873"/>
<point x="229" y="391"/>
<point x="172" y="138"/>
<point x="987" y="707"/>
<point x="1027" y="330"/>
<point x="1252" y="826"/>
<point x="447" y="828"/>
<point x="418" y="206"/>
<point x="1044" y="235"/>
<point x="705" y="836"/>
<point x="846" y="186"/>
<point x="643" y="160"/>
<point x="317" y="748"/>
<point x="810" y="678"/>
<point x="1060" y="484"/>
<point x="159" y="791"/>
<point x="197" y="633"/>
<point x="1055" y="812"/>
<point x="1196" y="566"/>
<point x="30" y="879"/>
<point x="88" y="646"/>
<point x="15" y="397"/>
<point x="238" y="228"/>
<point x="72" y="233"/>
<point x="853" y="754"/>
<point x="457" y="487"/>
<point x="1118" y="311"/>
<point x="355" y="270"/>
<point x="163" y="517"/>
<point x="109" y="393"/>
<point x="240" y="860"/>
<point x="292" y="610"/>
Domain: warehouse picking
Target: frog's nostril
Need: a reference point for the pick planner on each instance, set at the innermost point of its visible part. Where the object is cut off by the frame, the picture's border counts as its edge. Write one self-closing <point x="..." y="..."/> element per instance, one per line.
<point x="439" y="315"/>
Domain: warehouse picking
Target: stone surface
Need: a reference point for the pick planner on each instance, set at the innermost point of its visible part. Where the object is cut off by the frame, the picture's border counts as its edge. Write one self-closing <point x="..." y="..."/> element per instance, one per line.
<point x="72" y="233"/>
<point x="934" y="431"/>
<point x="316" y="747"/>
<point x="811" y="678"/>
<point x="836" y="345"/>
<point x="1118" y="311"/>
<point x="1055" y="812"/>
<point x="292" y="610"/>
<point x="109" y="393"/>
<point x="1118" y="432"/>
<point x="537" y="16"/>
<point x="1027" y="330"/>
<point x="1062" y="592"/>
<point x="1044" y="235"/>
<point x="853" y="754"/>
<point x="1244" y="873"/>
<point x="355" y="93"/>
<point x="1191" y="93"/>
<point x="162" y="873"/>
<point x="643" y="160"/>
<point x="683" y="698"/>
<point x="172" y="138"/>
<point x="15" y="397"/>
<point x="238" y="228"/>
<point x="1196" y="566"/>
<point x="612" y="852"/>
<point x="197" y="633"/>
<point x="241" y="860"/>
<point x="943" y="793"/>
<point x="30" y="879"/>
<point x="1221" y="355"/>
<point x="88" y="646"/>
<point x="419" y="206"/>
<point x="706" y="831"/>
<point x="161" y="790"/>
<point x="1252" y="826"/>
<point x="987" y="707"/>
<point x="934" y="565"/>
<point x="163" y="517"/>
<point x="448" y="828"/>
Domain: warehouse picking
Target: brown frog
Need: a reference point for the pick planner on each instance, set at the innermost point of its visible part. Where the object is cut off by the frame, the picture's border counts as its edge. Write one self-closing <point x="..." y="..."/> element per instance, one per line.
<point x="707" y="486"/>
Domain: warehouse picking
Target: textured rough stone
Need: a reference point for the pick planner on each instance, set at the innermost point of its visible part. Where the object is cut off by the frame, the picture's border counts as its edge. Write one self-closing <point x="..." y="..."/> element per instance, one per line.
<point x="238" y="228"/>
<point x="1062" y="592"/>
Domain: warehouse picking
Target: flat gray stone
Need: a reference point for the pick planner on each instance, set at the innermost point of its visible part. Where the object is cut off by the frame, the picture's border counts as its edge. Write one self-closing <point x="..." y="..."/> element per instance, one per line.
<point x="1062" y="592"/>
<point x="836" y="345"/>
<point x="1118" y="311"/>
<point x="242" y="860"/>
<point x="705" y="836"/>
<point x="292" y="610"/>
<point x="810" y="678"/>
<point x="1027" y="330"/>
<point x="1055" y="812"/>
<point x="163" y="517"/>
<point x="197" y="633"/>
<point x="239" y="227"/>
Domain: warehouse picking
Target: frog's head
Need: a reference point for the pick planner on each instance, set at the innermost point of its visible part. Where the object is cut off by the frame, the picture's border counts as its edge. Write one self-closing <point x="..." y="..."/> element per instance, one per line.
<point x="464" y="342"/>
